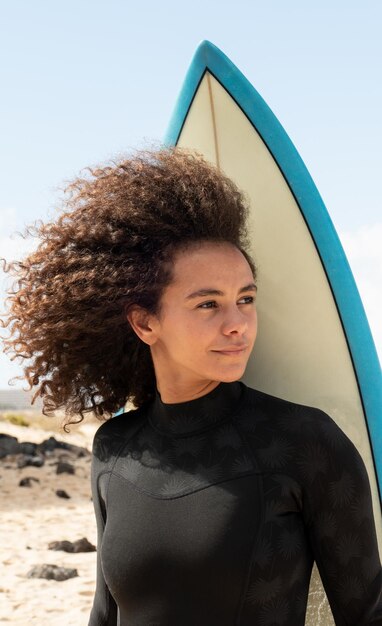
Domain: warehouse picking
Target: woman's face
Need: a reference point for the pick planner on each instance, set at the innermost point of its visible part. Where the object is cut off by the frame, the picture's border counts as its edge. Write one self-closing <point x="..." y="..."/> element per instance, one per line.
<point x="207" y="323"/>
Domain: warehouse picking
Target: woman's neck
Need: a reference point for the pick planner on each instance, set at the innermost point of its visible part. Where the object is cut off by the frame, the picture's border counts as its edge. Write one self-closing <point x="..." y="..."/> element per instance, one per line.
<point x="182" y="391"/>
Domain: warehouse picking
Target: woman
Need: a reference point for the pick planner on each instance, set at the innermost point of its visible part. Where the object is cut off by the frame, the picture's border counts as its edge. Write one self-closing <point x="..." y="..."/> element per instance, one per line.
<point x="212" y="500"/>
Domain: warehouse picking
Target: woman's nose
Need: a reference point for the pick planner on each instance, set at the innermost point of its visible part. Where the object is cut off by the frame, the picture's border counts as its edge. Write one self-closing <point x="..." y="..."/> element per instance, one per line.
<point x="235" y="322"/>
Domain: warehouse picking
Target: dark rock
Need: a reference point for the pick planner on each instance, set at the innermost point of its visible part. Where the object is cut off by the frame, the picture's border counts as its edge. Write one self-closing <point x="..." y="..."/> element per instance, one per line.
<point x="48" y="445"/>
<point x="27" y="460"/>
<point x="61" y="493"/>
<point x="28" y="448"/>
<point x="65" y="468"/>
<point x="52" y="572"/>
<point x="51" y="444"/>
<point x="81" y="545"/>
<point x="27" y="481"/>
<point x="8" y="445"/>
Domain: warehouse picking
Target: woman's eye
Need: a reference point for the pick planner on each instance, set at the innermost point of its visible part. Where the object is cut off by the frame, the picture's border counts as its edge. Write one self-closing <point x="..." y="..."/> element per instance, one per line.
<point x="207" y="305"/>
<point x="212" y="304"/>
<point x="247" y="300"/>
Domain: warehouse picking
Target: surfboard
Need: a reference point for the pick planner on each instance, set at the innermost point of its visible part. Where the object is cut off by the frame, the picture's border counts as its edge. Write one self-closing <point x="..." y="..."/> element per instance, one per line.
<point x="314" y="344"/>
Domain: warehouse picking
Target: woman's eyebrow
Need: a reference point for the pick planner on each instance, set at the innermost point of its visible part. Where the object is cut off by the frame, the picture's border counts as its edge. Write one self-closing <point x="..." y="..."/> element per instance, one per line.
<point x="216" y="292"/>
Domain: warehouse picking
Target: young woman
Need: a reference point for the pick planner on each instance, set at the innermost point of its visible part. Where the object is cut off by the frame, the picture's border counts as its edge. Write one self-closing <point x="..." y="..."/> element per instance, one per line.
<point x="212" y="499"/>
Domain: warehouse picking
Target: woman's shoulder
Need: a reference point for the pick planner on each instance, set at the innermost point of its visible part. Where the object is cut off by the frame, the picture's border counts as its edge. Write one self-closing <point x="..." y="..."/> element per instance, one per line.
<point x="115" y="432"/>
<point x="286" y="415"/>
<point x="275" y="405"/>
<point x="305" y="435"/>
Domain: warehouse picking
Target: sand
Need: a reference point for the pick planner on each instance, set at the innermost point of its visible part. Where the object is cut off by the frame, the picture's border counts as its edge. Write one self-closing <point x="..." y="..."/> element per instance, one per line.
<point x="31" y="517"/>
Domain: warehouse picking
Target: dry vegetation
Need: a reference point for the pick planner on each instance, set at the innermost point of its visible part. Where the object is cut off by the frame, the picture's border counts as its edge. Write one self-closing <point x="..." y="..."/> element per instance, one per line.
<point x="35" y="427"/>
<point x="31" y="418"/>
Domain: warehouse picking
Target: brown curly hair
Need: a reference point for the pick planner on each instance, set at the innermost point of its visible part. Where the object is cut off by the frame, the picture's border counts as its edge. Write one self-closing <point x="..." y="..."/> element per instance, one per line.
<point x="112" y="247"/>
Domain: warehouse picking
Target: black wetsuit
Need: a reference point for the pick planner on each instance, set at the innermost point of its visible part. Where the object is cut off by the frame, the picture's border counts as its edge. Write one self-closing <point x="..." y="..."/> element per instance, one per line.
<point x="211" y="513"/>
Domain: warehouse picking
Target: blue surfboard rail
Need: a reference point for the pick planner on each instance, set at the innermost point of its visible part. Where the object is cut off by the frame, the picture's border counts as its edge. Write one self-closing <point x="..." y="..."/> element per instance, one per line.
<point x="333" y="258"/>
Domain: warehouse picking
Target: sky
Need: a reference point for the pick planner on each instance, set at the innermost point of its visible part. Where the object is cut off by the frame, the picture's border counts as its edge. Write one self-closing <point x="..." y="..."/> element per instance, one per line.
<point x="84" y="81"/>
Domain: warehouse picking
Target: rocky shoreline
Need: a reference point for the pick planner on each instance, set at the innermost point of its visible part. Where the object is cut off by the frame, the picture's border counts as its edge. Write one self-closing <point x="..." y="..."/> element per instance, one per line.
<point x="47" y="526"/>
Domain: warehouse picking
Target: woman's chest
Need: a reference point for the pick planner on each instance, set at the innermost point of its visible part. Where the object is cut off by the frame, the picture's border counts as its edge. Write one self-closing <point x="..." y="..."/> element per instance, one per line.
<point x="197" y="517"/>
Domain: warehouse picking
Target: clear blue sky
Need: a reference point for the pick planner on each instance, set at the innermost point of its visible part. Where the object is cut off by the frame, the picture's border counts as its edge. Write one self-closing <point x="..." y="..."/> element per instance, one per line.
<point x="84" y="80"/>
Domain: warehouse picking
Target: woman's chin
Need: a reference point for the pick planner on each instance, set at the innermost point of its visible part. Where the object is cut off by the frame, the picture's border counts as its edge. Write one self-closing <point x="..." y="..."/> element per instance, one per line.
<point x="230" y="377"/>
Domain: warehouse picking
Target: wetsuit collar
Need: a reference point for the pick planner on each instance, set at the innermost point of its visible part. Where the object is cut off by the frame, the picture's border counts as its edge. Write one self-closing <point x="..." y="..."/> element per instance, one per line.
<point x="195" y="415"/>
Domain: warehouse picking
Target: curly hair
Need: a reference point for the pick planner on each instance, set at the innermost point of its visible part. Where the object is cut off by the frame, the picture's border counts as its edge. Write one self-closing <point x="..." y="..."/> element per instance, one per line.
<point x="111" y="247"/>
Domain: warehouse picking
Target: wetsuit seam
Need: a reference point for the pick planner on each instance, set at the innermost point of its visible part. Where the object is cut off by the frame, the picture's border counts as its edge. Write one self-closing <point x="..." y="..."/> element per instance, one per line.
<point x="257" y="472"/>
<point x="250" y="565"/>
<point x="182" y="494"/>
<point x="251" y="559"/>
<point x="117" y="456"/>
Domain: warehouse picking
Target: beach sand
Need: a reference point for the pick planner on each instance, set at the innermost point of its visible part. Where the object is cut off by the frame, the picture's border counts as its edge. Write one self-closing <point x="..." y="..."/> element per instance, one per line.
<point x="31" y="517"/>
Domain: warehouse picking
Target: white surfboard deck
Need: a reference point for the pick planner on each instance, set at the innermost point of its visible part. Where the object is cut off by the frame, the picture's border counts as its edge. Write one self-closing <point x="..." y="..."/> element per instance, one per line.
<point x="301" y="351"/>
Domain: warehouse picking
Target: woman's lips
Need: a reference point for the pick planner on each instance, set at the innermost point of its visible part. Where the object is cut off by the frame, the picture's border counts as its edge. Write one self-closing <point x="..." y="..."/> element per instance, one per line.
<point x="232" y="351"/>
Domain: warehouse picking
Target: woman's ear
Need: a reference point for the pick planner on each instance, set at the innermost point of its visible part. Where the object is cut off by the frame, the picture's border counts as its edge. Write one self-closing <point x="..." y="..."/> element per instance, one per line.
<point x="142" y="323"/>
